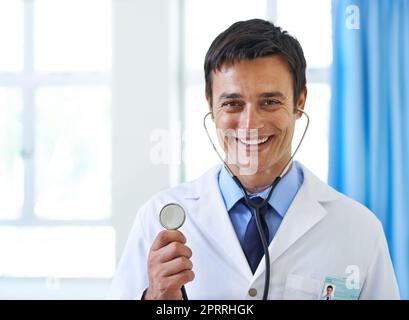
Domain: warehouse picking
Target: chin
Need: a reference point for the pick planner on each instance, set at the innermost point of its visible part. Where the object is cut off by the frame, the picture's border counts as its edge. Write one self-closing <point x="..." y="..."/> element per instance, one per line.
<point x="253" y="168"/>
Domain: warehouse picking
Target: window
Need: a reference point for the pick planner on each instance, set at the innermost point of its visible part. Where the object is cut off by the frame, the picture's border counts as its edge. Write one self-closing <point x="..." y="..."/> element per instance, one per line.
<point x="11" y="162"/>
<point x="55" y="139"/>
<point x="310" y="23"/>
<point x="11" y="35"/>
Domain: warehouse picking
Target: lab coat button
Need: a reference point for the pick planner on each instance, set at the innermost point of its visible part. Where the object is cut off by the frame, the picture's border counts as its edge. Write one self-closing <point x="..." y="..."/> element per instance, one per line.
<point x="252" y="292"/>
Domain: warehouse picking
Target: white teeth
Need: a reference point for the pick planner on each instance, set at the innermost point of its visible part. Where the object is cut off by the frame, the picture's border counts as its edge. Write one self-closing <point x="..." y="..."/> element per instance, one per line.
<point x="254" y="142"/>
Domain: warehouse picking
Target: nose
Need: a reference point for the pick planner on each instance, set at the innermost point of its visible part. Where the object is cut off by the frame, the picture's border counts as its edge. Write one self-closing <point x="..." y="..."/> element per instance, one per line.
<point x="252" y="117"/>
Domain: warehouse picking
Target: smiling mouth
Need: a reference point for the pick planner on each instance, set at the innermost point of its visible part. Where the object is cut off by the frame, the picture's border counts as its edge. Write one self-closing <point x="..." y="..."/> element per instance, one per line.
<point x="254" y="142"/>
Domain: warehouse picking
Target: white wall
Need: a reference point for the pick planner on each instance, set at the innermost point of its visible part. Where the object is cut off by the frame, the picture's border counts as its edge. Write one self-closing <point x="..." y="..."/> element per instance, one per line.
<point x="144" y="91"/>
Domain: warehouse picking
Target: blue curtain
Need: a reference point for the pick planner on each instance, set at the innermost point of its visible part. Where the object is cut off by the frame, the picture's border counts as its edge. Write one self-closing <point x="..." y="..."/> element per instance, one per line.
<point x="369" y="134"/>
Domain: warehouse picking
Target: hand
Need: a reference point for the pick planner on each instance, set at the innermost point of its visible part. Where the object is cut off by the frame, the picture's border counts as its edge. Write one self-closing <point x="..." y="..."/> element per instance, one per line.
<point x="169" y="266"/>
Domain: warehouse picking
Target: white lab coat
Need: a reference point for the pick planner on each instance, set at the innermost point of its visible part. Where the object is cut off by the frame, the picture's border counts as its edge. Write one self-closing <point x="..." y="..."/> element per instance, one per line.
<point x="323" y="233"/>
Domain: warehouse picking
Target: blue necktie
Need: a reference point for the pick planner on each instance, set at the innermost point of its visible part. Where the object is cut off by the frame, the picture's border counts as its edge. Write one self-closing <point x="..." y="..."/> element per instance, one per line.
<point x="252" y="245"/>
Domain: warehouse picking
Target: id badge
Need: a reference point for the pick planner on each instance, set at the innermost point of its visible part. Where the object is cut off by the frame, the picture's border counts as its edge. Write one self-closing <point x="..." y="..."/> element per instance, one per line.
<point x="336" y="288"/>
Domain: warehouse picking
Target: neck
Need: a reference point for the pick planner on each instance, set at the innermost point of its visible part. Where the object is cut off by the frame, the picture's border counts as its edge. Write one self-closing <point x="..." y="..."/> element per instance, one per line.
<point x="262" y="179"/>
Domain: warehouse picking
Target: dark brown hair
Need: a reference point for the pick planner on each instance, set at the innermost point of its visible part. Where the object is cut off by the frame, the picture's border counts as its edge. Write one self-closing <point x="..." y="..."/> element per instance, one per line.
<point x="251" y="39"/>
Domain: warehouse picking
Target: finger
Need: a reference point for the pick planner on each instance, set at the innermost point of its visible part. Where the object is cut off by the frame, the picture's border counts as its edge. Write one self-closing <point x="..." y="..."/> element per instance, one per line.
<point x="175" y="266"/>
<point x="172" y="251"/>
<point x="176" y="281"/>
<point x="167" y="236"/>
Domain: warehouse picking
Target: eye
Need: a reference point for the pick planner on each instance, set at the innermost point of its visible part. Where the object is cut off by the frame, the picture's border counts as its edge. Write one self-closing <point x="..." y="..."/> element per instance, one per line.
<point x="271" y="102"/>
<point x="231" y="104"/>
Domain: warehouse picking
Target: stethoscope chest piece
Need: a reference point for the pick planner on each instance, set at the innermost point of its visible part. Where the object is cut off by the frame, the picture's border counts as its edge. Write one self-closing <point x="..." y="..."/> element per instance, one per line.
<point x="172" y="216"/>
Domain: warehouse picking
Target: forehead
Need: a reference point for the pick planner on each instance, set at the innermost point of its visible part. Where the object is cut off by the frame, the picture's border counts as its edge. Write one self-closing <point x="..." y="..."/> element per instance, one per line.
<point x="259" y="74"/>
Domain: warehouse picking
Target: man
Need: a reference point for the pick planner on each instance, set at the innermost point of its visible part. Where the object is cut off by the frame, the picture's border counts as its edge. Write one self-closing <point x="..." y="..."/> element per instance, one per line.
<point x="255" y="82"/>
<point x="328" y="294"/>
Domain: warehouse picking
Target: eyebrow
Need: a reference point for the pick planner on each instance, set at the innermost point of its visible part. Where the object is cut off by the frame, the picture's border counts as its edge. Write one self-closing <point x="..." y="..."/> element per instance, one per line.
<point x="270" y="94"/>
<point x="226" y="95"/>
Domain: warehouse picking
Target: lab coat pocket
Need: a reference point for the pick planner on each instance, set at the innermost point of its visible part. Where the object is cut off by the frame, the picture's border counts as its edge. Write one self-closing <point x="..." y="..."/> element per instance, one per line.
<point x="301" y="288"/>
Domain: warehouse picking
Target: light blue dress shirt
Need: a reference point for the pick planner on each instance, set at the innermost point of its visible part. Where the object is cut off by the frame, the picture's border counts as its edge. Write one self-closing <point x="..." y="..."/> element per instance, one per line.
<point x="280" y="200"/>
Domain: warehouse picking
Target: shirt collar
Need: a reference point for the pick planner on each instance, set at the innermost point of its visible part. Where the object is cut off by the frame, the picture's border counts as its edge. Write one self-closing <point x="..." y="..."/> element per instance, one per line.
<point x="281" y="198"/>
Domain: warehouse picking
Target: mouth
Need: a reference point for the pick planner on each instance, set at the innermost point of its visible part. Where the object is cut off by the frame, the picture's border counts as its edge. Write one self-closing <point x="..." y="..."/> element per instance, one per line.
<point x="254" y="142"/>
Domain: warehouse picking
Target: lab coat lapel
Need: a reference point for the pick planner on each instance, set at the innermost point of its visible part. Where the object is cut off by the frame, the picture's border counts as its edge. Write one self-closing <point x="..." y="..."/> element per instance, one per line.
<point x="304" y="213"/>
<point x="212" y="218"/>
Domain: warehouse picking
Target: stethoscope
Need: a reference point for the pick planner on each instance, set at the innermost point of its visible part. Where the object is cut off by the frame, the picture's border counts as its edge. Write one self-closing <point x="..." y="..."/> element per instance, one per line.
<point x="172" y="215"/>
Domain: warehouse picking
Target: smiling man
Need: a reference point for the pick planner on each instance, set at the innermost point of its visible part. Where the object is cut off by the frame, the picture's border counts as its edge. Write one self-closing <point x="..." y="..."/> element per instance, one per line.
<point x="256" y="91"/>
<point x="248" y="98"/>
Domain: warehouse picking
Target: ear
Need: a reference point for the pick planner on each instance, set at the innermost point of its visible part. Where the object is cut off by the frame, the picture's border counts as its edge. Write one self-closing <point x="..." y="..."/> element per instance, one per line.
<point x="301" y="102"/>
